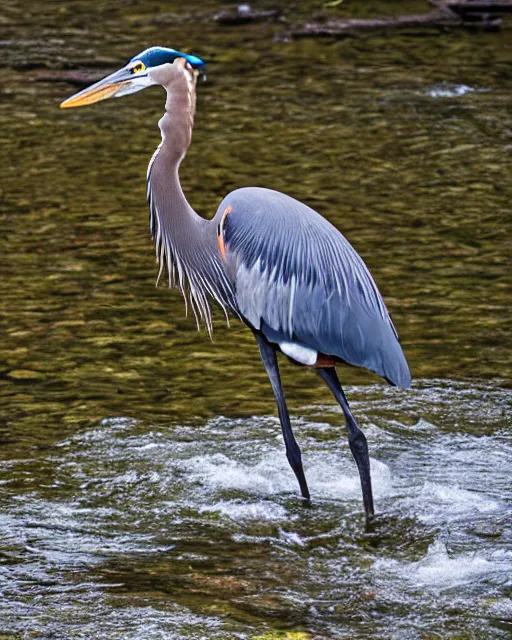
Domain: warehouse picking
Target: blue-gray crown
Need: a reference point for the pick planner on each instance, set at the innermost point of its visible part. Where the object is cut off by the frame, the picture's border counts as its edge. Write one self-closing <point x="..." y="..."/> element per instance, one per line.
<point x="155" y="56"/>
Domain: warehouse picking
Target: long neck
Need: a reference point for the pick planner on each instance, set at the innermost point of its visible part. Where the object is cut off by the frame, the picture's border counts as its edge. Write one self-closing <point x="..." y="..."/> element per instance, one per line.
<point x="185" y="247"/>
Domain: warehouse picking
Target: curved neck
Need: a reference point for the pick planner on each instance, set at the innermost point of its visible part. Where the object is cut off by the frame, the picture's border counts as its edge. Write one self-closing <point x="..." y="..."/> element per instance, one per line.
<point x="184" y="245"/>
<point x="176" y="128"/>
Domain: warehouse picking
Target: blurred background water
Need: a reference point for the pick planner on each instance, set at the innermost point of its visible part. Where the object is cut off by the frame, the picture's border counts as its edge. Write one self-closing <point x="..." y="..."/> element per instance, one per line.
<point x="143" y="485"/>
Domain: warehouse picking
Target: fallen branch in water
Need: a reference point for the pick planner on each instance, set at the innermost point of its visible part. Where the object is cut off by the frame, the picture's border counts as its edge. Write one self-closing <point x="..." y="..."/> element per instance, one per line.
<point x="448" y="14"/>
<point x="469" y="6"/>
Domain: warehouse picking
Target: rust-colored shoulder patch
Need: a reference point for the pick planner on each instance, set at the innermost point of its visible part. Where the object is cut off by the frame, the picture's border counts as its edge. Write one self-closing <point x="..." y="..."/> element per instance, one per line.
<point x="220" y="232"/>
<point x="324" y="361"/>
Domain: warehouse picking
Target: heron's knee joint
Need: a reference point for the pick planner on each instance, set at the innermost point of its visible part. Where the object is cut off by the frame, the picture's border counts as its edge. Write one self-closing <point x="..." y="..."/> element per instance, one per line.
<point x="358" y="442"/>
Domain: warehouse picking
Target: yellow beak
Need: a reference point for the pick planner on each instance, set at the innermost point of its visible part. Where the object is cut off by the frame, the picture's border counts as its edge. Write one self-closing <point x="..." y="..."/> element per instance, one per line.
<point x="90" y="96"/>
<point x="120" y="82"/>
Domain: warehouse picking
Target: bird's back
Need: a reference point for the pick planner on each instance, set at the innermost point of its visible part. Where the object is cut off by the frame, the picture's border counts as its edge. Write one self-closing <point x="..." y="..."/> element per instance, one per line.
<point x="297" y="279"/>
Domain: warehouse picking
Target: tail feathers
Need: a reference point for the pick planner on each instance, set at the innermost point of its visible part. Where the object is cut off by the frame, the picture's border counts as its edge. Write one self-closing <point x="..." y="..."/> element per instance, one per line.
<point x="374" y="345"/>
<point x="398" y="374"/>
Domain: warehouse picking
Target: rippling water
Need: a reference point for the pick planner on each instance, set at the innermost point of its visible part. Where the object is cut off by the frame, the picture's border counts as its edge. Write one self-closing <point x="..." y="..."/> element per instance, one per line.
<point x="144" y="490"/>
<point x="133" y="530"/>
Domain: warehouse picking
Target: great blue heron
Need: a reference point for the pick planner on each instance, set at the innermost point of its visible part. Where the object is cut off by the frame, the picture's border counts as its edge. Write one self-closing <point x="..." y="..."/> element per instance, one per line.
<point x="275" y="263"/>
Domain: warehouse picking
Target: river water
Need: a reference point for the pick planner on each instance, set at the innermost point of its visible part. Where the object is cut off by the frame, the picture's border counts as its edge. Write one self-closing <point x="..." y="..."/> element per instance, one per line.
<point x="144" y="489"/>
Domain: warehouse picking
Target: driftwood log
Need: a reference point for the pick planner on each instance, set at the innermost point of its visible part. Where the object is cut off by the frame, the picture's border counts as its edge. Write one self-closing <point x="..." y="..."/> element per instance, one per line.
<point x="464" y="6"/>
<point x="446" y="15"/>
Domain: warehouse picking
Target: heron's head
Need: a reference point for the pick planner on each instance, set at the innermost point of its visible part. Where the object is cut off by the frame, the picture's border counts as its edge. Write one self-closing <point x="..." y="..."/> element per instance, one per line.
<point x="134" y="76"/>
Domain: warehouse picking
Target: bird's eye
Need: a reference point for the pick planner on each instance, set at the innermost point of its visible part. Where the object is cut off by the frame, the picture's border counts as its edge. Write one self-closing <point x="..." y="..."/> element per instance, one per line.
<point x="138" y="67"/>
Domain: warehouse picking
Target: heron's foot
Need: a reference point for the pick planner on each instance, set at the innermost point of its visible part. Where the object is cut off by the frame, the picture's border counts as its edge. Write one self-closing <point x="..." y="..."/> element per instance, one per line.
<point x="295" y="459"/>
<point x="373" y="522"/>
<point x="306" y="502"/>
<point x="303" y="487"/>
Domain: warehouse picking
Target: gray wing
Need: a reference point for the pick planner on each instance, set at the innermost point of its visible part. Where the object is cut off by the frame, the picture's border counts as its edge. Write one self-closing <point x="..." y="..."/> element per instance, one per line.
<point x="299" y="281"/>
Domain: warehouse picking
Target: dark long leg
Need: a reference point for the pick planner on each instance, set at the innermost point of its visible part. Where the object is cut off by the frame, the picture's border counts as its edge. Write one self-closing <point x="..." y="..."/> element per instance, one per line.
<point x="268" y="355"/>
<point x="356" y="438"/>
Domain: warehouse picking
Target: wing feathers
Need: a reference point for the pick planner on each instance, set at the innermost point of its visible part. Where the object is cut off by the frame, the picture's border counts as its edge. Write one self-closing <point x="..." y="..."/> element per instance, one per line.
<point x="298" y="278"/>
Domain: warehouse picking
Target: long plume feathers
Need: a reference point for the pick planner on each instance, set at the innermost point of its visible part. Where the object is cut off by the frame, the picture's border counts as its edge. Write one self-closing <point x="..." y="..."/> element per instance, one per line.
<point x="198" y="275"/>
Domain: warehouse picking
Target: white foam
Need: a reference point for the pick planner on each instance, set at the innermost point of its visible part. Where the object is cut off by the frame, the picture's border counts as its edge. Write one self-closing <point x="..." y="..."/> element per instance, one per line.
<point x="501" y="608"/>
<point x="438" y="503"/>
<point x="291" y="538"/>
<point x="329" y="476"/>
<point x="447" y="90"/>
<point x="236" y="510"/>
<point x="268" y="476"/>
<point x="439" y="570"/>
<point x="333" y="477"/>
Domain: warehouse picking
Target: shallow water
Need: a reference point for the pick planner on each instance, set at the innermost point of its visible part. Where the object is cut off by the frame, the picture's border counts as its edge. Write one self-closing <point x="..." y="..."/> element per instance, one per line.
<point x="198" y="529"/>
<point x="144" y="490"/>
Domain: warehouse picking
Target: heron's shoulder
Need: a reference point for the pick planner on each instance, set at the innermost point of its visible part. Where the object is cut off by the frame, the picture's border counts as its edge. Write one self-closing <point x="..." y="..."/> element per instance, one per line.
<point x="262" y="202"/>
<point x="260" y="194"/>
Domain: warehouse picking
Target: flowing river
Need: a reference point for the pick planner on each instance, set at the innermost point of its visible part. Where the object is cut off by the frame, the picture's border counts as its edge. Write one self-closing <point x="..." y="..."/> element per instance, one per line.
<point x="144" y="489"/>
